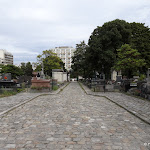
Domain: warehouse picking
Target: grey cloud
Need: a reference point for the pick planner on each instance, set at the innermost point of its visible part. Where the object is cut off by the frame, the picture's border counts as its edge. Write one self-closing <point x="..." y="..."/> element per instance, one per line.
<point x="32" y="26"/>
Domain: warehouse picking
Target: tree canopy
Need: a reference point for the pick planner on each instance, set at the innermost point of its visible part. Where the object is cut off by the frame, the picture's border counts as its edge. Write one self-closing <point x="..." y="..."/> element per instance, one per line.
<point x="129" y="61"/>
<point x="14" y="70"/>
<point x="140" y="40"/>
<point x="50" y="61"/>
<point x="101" y="53"/>
<point x="27" y="68"/>
<point x="78" y="60"/>
<point x="104" y="42"/>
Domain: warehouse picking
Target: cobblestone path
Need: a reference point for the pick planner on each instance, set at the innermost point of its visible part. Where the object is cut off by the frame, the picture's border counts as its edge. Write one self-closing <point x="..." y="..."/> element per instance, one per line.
<point x="137" y="106"/>
<point x="72" y="120"/>
<point x="8" y="102"/>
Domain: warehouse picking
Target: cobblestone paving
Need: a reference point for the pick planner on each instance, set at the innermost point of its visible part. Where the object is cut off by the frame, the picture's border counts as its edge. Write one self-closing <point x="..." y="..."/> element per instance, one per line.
<point x="72" y="120"/>
<point x="8" y="102"/>
<point x="137" y="106"/>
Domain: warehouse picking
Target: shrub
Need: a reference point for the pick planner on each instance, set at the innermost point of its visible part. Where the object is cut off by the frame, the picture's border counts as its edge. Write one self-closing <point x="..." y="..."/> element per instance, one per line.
<point x="55" y="87"/>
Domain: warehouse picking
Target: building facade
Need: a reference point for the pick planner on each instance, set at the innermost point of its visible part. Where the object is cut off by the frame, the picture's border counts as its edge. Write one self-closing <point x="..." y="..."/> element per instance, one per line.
<point x="6" y="57"/>
<point x="65" y="53"/>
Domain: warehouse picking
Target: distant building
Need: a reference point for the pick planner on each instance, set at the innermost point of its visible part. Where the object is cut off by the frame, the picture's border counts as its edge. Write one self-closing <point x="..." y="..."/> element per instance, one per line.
<point x="6" y="57"/>
<point x="65" y="53"/>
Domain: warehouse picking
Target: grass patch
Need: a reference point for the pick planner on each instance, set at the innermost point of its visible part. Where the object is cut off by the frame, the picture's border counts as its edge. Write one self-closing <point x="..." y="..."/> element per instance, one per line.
<point x="7" y="93"/>
<point x="55" y="87"/>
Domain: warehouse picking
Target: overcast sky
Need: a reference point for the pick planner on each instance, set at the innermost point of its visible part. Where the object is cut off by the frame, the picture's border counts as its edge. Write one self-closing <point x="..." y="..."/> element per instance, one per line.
<point x="27" y="27"/>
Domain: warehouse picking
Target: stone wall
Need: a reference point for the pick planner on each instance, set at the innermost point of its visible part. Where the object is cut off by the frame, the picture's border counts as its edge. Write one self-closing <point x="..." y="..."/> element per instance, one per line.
<point x="59" y="76"/>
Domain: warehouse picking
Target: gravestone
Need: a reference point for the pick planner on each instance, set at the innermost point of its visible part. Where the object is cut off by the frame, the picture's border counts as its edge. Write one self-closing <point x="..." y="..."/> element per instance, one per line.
<point x="6" y="81"/>
<point x="118" y="78"/>
<point x="6" y="77"/>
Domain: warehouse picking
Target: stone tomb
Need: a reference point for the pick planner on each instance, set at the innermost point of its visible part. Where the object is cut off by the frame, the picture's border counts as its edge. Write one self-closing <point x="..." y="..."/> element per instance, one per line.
<point x="40" y="84"/>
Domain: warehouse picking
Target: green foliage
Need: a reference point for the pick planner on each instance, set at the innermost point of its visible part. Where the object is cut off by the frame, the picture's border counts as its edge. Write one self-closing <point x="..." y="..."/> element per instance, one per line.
<point x="142" y="77"/>
<point x="38" y="67"/>
<point x="20" y="90"/>
<point x="50" y="61"/>
<point x="101" y="52"/>
<point x="140" y="40"/>
<point x="55" y="87"/>
<point x="103" y="43"/>
<point x="79" y="60"/>
<point x="129" y="61"/>
<point x="27" y="68"/>
<point x="6" y="93"/>
<point x="14" y="70"/>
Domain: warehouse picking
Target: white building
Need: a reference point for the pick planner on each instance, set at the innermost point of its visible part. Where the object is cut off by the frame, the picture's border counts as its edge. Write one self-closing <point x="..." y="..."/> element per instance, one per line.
<point x="65" y="53"/>
<point x="6" y="57"/>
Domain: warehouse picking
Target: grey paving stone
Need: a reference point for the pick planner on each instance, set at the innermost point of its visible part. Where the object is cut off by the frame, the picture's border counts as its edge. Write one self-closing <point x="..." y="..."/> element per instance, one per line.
<point x="137" y="106"/>
<point x="72" y="120"/>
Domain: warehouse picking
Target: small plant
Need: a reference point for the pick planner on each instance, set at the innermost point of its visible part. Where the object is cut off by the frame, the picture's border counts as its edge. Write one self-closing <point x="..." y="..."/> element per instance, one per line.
<point x="5" y="92"/>
<point x="20" y="90"/>
<point x="142" y="77"/>
<point x="55" y="87"/>
<point x="8" y="93"/>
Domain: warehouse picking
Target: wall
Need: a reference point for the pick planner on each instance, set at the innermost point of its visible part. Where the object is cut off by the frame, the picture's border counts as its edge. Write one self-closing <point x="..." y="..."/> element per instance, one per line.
<point x="59" y="76"/>
<point x="65" y="76"/>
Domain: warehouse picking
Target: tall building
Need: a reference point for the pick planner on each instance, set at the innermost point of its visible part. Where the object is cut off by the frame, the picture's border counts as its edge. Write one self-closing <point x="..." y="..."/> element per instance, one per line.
<point x="65" y="53"/>
<point x="6" y="57"/>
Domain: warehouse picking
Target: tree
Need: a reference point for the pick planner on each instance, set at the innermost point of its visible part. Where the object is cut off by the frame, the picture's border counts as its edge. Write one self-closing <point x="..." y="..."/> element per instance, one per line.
<point x="38" y="67"/>
<point x="103" y="44"/>
<point x="14" y="70"/>
<point x="23" y="67"/>
<point x="78" y="60"/>
<point x="129" y="61"/>
<point x="27" y="68"/>
<point x="50" y="61"/>
<point x="140" y="40"/>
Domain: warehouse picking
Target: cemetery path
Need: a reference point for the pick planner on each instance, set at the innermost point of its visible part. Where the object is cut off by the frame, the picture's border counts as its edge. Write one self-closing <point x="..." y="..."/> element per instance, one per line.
<point x="11" y="101"/>
<point x="137" y="106"/>
<point x="72" y="120"/>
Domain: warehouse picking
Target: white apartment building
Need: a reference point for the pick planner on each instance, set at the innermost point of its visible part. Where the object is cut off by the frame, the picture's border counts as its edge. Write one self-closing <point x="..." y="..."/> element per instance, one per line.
<point x="6" y="57"/>
<point x="65" y="53"/>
